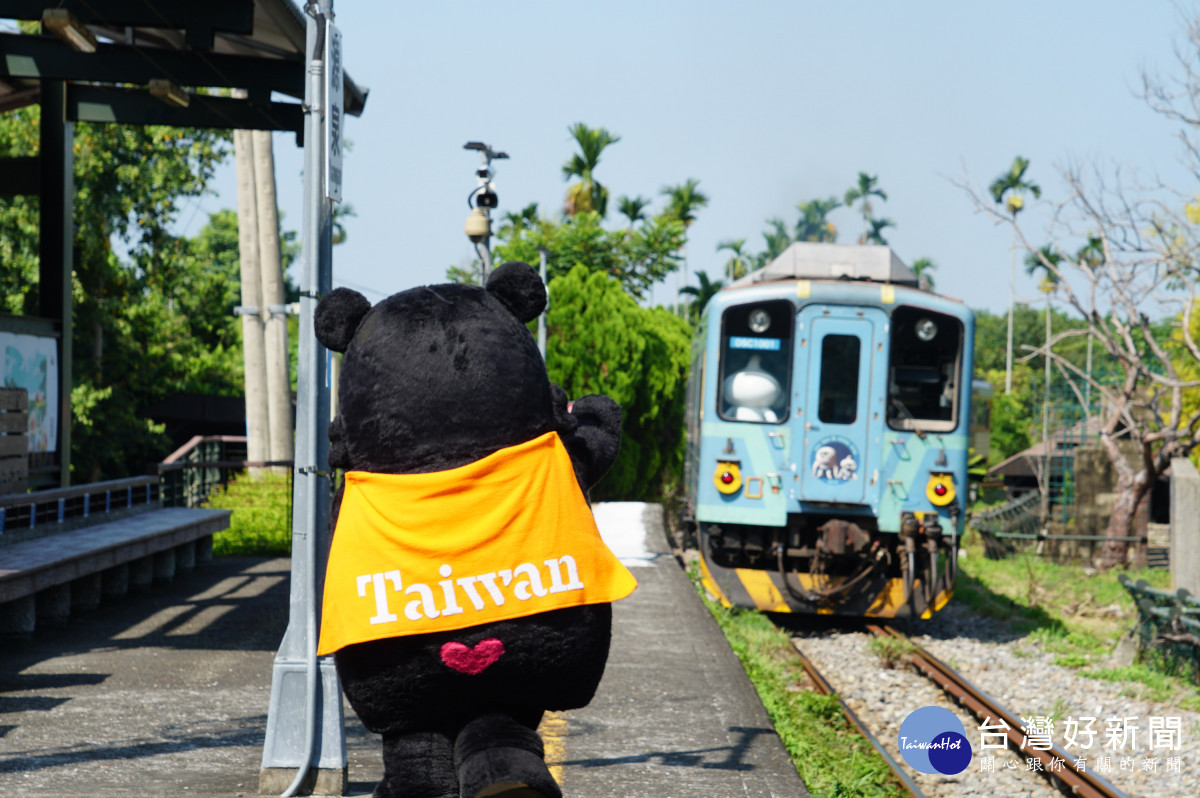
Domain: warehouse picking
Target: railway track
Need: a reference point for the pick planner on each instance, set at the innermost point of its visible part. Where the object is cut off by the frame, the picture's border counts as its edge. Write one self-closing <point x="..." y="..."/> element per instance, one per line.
<point x="825" y="688"/>
<point x="1064" y="778"/>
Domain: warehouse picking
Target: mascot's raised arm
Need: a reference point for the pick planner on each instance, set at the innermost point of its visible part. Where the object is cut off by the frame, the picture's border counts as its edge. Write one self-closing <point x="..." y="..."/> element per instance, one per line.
<point x="468" y="590"/>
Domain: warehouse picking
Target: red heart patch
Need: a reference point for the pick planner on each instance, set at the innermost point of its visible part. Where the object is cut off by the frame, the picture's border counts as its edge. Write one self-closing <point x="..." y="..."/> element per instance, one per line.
<point x="472" y="661"/>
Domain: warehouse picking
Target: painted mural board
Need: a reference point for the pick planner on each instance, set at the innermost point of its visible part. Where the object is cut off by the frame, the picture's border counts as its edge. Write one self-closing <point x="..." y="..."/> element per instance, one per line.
<point x="31" y="362"/>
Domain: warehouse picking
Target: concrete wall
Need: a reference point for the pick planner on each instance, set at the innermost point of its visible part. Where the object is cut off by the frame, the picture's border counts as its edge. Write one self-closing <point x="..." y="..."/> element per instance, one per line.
<point x="1185" y="526"/>
<point x="1095" y="478"/>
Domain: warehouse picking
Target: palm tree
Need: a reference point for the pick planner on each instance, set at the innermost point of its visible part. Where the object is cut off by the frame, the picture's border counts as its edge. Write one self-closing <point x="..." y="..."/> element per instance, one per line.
<point x="812" y="224"/>
<point x="704" y="292"/>
<point x="522" y="219"/>
<point x="1045" y="260"/>
<point x="923" y="268"/>
<point x="778" y="239"/>
<point x="875" y="234"/>
<point x="683" y="201"/>
<point x="341" y="211"/>
<point x="1014" y="186"/>
<point x="735" y="267"/>
<point x="1091" y="254"/>
<point x="587" y="194"/>
<point x="633" y="208"/>
<point x="867" y="187"/>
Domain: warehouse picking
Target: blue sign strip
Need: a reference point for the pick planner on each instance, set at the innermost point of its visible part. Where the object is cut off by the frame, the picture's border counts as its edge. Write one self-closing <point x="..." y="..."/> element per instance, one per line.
<point x="762" y="344"/>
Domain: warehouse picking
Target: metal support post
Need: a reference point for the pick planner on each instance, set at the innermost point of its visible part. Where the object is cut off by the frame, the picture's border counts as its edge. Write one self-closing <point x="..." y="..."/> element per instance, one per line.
<point x="305" y="744"/>
<point x="56" y="247"/>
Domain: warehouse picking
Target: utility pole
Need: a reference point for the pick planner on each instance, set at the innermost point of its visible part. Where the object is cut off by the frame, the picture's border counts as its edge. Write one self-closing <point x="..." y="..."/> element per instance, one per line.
<point x="481" y="201"/>
<point x="1012" y="299"/>
<point x="253" y="346"/>
<point x="273" y="312"/>
<point x="305" y="742"/>
<point x="541" y="332"/>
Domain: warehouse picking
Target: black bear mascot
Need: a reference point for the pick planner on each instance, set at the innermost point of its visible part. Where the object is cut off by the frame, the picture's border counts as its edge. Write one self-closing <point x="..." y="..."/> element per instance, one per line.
<point x="468" y="590"/>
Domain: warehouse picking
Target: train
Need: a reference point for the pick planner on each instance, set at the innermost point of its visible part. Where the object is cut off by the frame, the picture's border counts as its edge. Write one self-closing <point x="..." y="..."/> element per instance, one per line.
<point x="829" y="422"/>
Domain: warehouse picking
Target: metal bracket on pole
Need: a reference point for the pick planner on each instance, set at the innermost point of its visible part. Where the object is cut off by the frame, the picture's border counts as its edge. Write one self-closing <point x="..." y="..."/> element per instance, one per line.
<point x="305" y="747"/>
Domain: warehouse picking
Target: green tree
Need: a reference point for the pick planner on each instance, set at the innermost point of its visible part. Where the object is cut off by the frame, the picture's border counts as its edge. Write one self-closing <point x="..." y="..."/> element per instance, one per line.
<point x="1028" y="337"/>
<point x="861" y="192"/>
<point x="1011" y="423"/>
<point x="600" y="341"/>
<point x="636" y="258"/>
<point x="588" y="194"/>
<point x="143" y="325"/>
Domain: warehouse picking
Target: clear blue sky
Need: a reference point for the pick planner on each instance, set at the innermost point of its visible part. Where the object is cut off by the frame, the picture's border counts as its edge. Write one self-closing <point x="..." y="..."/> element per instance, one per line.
<point x="765" y="103"/>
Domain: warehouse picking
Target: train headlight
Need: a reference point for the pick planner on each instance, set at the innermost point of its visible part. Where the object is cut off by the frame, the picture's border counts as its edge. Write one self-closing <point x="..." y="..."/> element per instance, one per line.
<point x="940" y="489"/>
<point x="728" y="477"/>
<point x="760" y="321"/>
<point x="926" y="329"/>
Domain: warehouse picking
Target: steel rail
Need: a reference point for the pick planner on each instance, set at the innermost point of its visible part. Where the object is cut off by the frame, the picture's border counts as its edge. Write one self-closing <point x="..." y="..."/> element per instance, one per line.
<point x="825" y="688"/>
<point x="1082" y="783"/>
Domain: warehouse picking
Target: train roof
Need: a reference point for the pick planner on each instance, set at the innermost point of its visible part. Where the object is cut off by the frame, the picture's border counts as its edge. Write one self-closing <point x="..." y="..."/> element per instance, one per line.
<point x="808" y="260"/>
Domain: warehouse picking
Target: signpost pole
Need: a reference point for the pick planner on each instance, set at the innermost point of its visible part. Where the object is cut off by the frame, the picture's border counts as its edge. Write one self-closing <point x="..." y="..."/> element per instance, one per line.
<point x="305" y="745"/>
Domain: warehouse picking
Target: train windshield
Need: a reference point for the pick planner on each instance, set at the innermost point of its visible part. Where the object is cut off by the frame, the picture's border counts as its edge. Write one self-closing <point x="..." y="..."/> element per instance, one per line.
<point x="924" y="370"/>
<point x="756" y="357"/>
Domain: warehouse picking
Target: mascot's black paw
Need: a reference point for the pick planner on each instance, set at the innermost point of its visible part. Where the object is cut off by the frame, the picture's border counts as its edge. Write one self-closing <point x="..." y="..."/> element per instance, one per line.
<point x="500" y="758"/>
<point x="419" y="765"/>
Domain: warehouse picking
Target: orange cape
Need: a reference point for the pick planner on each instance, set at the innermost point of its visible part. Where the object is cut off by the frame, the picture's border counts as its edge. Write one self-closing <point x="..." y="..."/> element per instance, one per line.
<point x="504" y="537"/>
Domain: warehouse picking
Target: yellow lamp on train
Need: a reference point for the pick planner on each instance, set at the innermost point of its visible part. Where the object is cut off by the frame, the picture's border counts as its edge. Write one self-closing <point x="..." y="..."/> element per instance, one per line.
<point x="728" y="477"/>
<point x="940" y="489"/>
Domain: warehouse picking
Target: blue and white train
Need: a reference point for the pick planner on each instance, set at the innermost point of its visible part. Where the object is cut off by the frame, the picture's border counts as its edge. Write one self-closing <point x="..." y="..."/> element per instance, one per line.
<point x="829" y="411"/>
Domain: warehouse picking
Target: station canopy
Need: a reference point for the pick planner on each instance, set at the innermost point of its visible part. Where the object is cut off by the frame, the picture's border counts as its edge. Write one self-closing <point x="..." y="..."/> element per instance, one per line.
<point x="227" y="64"/>
<point x="142" y="62"/>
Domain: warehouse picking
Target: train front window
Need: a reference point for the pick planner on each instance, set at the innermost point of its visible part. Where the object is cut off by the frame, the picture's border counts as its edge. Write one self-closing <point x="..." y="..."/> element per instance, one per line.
<point x="756" y="356"/>
<point x="923" y="370"/>
<point x="838" y="403"/>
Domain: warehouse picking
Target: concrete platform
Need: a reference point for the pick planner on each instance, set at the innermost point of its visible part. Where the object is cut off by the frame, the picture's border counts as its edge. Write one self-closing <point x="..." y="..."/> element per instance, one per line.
<point x="166" y="693"/>
<point x="675" y="715"/>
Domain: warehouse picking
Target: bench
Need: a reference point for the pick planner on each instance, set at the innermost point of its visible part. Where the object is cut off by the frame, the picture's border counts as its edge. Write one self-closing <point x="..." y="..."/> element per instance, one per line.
<point x="43" y="579"/>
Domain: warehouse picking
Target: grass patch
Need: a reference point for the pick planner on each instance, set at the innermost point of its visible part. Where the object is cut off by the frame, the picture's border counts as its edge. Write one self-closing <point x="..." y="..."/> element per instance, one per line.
<point x="1074" y="613"/>
<point x="261" y="523"/>
<point x="830" y="756"/>
<point x="1145" y="683"/>
<point x="893" y="652"/>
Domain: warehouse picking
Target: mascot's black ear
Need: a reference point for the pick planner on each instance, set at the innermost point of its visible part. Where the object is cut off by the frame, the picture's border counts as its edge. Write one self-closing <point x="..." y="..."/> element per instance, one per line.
<point x="518" y="286"/>
<point x="338" y="316"/>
